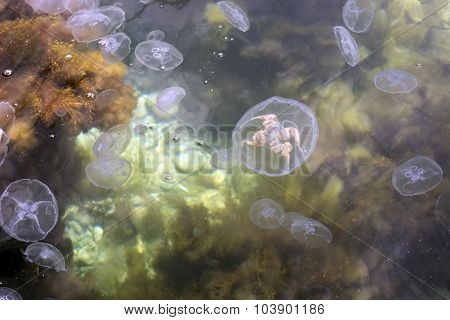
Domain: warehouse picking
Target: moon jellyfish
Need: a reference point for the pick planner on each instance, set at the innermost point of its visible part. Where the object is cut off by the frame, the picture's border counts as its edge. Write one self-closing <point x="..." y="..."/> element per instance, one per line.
<point x="4" y="140"/>
<point x="276" y="136"/>
<point x="416" y="176"/>
<point x="156" y="35"/>
<point x="7" y="114"/>
<point x="45" y="255"/>
<point x="115" y="47"/>
<point x="311" y="232"/>
<point x="158" y="55"/>
<point x="90" y="25"/>
<point x="9" y="294"/>
<point x="121" y="134"/>
<point x="395" y="81"/>
<point x="169" y="97"/>
<point x="442" y="212"/>
<point x="48" y="6"/>
<point x="235" y="15"/>
<point x="28" y="210"/>
<point x="288" y="218"/>
<point x="105" y="145"/>
<point x="109" y="172"/>
<point x="266" y="213"/>
<point x="78" y="5"/>
<point x="357" y="15"/>
<point x="347" y="45"/>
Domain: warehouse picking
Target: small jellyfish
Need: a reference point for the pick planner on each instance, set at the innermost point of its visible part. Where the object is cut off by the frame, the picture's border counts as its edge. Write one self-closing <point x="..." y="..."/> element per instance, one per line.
<point x="109" y="172"/>
<point x="347" y="45"/>
<point x="140" y="129"/>
<point x="48" y="6"/>
<point x="28" y="210"/>
<point x="395" y="81"/>
<point x="9" y="294"/>
<point x="91" y="25"/>
<point x="416" y="176"/>
<point x="288" y="218"/>
<point x="156" y="35"/>
<point x="105" y="145"/>
<point x="122" y="135"/>
<point x="78" y="5"/>
<point x="442" y="212"/>
<point x="115" y="47"/>
<point x="235" y="15"/>
<point x="45" y="255"/>
<point x="7" y="114"/>
<point x="158" y="55"/>
<point x="311" y="233"/>
<point x="357" y="15"/>
<point x="169" y="97"/>
<point x="266" y="213"/>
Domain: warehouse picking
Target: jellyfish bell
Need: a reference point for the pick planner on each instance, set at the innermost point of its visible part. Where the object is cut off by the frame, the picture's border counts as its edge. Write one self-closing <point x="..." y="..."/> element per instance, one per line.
<point x="347" y="45"/>
<point x="78" y="5"/>
<point x="105" y="145"/>
<point x="7" y="114"/>
<point x="235" y="15"/>
<point x="158" y="55"/>
<point x="28" y="210"/>
<point x="288" y="218"/>
<point x="4" y="140"/>
<point x="395" y="81"/>
<point x="45" y="255"/>
<point x="9" y="294"/>
<point x="170" y="97"/>
<point x="122" y="135"/>
<point x="115" y="47"/>
<point x="265" y="214"/>
<point x="108" y="172"/>
<point x="156" y="35"/>
<point x="358" y="15"/>
<point x="48" y="6"/>
<point x="311" y="233"/>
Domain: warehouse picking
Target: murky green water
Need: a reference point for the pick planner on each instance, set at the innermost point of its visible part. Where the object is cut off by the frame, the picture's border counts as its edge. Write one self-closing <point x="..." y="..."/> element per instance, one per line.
<point x="179" y="228"/>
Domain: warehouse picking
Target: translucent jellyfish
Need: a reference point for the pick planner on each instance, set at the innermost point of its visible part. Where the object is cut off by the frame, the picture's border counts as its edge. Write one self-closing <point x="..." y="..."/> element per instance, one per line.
<point x="357" y="15"/>
<point x="275" y="136"/>
<point x="311" y="232"/>
<point x="158" y="55"/>
<point x="288" y="218"/>
<point x="395" y="81"/>
<point x="115" y="47"/>
<point x="28" y="210"/>
<point x="266" y="213"/>
<point x="78" y="5"/>
<point x="48" y="6"/>
<point x="442" y="212"/>
<point x="109" y="172"/>
<point x="90" y="25"/>
<point x="104" y="100"/>
<point x="9" y="294"/>
<point x="156" y="35"/>
<point x="347" y="45"/>
<point x="122" y="135"/>
<point x="105" y="145"/>
<point x="416" y="176"/>
<point x="45" y="255"/>
<point x="235" y="15"/>
<point x="4" y="140"/>
<point x="7" y="114"/>
<point x="169" y="97"/>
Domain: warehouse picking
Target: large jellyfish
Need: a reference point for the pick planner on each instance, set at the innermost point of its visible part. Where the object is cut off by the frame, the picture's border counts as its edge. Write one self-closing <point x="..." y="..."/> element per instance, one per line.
<point x="48" y="6"/>
<point x="275" y="136"/>
<point x="395" y="81"/>
<point x="235" y="15"/>
<point x="115" y="47"/>
<point x="265" y="213"/>
<point x="109" y="172"/>
<point x="45" y="255"/>
<point x="28" y="210"/>
<point x="347" y="45"/>
<point x="113" y="142"/>
<point x="357" y="15"/>
<point x="158" y="55"/>
<point x="310" y="232"/>
<point x="9" y="294"/>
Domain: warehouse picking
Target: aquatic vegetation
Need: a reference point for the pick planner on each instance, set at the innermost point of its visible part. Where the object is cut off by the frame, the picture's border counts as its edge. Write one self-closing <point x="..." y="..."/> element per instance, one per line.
<point x="265" y="214"/>
<point x="395" y="81"/>
<point x="288" y="137"/>
<point x="48" y="6"/>
<point x="78" y="5"/>
<point x="416" y="176"/>
<point x="109" y="172"/>
<point x="158" y="55"/>
<point x="311" y="232"/>
<point x="235" y="15"/>
<point x="156" y="35"/>
<point x="29" y="210"/>
<point x="7" y="114"/>
<point x="170" y="97"/>
<point x="347" y="45"/>
<point x="115" y="47"/>
<point x="358" y="15"/>
<point x="9" y="294"/>
<point x="45" y="255"/>
<point x="288" y="218"/>
<point x="442" y="212"/>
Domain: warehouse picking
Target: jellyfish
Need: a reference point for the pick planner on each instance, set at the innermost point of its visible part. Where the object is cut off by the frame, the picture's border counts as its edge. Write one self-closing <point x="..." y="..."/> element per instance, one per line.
<point x="268" y="144"/>
<point x="115" y="47"/>
<point x="7" y="114"/>
<point x="105" y="145"/>
<point x="109" y="172"/>
<point x="78" y="5"/>
<point x="357" y="15"/>
<point x="4" y="140"/>
<point x="235" y="15"/>
<point x="442" y="212"/>
<point x="310" y="232"/>
<point x="48" y="6"/>
<point x="395" y="81"/>
<point x="28" y="210"/>
<point x="9" y="294"/>
<point x="265" y="214"/>
<point x="91" y="25"/>
<point x="105" y="98"/>
<point x="288" y="218"/>
<point x="122" y="136"/>
<point x="158" y="55"/>
<point x="169" y="97"/>
<point x="156" y="35"/>
<point x="45" y="255"/>
<point x="347" y="45"/>
<point x="416" y="176"/>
